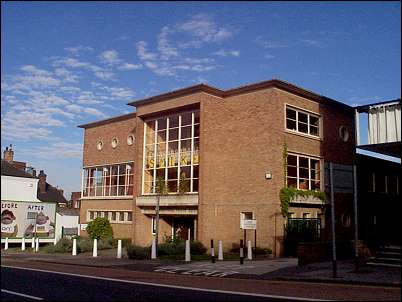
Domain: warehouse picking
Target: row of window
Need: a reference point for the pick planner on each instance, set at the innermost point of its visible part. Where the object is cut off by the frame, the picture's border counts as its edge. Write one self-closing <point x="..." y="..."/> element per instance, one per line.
<point x="109" y="180"/>
<point x="112" y="216"/>
<point x="171" y="153"/>
<point x="115" y="142"/>
<point x="381" y="183"/>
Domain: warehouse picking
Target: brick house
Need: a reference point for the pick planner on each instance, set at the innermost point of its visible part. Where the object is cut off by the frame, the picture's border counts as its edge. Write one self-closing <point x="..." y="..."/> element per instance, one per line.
<point x="220" y="154"/>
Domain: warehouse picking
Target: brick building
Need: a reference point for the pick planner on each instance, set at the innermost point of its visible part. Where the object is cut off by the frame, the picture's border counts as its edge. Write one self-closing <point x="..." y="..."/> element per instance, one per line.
<point x="220" y="154"/>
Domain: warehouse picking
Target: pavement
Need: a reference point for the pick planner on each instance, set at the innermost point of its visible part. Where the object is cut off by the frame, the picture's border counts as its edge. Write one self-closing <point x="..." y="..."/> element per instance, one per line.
<point x="264" y="269"/>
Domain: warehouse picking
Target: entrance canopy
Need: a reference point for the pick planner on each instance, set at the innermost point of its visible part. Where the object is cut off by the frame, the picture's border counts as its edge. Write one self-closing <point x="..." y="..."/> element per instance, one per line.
<point x="383" y="127"/>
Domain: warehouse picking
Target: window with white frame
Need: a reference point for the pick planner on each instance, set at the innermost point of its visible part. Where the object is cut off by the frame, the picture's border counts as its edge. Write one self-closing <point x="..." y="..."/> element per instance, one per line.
<point x="112" y="216"/>
<point x="302" y="121"/>
<point x="108" y="180"/>
<point x="171" y="153"/>
<point x="303" y="172"/>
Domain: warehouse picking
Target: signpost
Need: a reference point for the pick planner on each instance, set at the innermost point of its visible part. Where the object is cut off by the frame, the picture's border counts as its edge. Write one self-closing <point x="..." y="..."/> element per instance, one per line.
<point x="250" y="224"/>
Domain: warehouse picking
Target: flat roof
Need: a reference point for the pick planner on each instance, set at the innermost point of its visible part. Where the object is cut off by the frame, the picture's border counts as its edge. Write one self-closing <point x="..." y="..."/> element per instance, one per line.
<point x="240" y="90"/>
<point x="109" y="120"/>
<point x="365" y="108"/>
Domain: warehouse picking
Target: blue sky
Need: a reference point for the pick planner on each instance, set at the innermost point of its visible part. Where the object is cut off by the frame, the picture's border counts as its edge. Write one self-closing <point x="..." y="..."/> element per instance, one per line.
<point x="70" y="63"/>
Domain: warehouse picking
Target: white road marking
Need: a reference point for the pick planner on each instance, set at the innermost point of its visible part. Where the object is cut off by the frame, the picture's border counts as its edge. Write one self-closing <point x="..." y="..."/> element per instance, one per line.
<point x="170" y="286"/>
<point x="22" y="295"/>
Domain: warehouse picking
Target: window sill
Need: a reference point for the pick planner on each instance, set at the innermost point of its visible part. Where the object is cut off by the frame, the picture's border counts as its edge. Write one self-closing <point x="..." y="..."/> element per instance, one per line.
<point x="304" y="135"/>
<point x="106" y="197"/>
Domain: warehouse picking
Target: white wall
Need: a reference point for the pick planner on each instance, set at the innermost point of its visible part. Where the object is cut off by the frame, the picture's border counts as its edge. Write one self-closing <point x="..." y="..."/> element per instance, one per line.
<point x="19" y="188"/>
<point x="67" y="222"/>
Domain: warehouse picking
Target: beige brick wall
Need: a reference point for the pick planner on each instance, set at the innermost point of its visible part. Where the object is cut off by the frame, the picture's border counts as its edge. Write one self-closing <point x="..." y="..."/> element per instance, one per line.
<point x="120" y="230"/>
<point x="241" y="139"/>
<point x="123" y="152"/>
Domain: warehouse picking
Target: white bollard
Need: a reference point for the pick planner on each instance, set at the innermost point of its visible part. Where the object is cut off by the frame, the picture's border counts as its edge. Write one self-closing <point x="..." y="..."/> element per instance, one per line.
<point x="6" y="244"/>
<point x="220" y="250"/>
<point x="119" y="248"/>
<point x="95" y="250"/>
<point x="55" y="240"/>
<point x="23" y="244"/>
<point x="74" y="252"/>
<point x="249" y="251"/>
<point x="188" y="256"/>
<point x="37" y="244"/>
<point x="33" y="243"/>
<point x="153" y="249"/>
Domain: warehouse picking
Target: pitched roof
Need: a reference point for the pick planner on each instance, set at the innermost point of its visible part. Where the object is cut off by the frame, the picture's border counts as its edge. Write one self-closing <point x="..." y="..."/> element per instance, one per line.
<point x="9" y="169"/>
<point x="68" y="211"/>
<point x="51" y="194"/>
<point x="240" y="90"/>
<point x="109" y="120"/>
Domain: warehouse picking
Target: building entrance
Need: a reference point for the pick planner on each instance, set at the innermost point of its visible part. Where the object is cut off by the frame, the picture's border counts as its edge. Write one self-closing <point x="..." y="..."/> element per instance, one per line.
<point x="182" y="226"/>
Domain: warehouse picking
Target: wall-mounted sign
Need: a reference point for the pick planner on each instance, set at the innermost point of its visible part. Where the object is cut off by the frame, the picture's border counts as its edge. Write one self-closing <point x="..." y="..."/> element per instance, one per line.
<point x="248" y="224"/>
<point x="172" y="159"/>
<point x="27" y="219"/>
<point x="83" y="226"/>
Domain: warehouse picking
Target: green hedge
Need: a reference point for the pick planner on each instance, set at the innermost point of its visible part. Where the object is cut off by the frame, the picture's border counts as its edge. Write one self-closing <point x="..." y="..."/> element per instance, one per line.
<point x="138" y="252"/>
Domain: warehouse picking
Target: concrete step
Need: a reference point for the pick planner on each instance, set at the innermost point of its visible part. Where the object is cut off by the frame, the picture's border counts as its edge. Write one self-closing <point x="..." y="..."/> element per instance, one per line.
<point x="383" y="264"/>
<point x="388" y="255"/>
<point x="385" y="260"/>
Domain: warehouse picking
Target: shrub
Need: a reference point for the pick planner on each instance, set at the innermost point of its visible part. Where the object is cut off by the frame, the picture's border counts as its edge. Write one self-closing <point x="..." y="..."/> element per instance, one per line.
<point x="64" y="245"/>
<point x="138" y="252"/>
<point x="259" y="251"/>
<point x="197" y="248"/>
<point x="84" y="245"/>
<point x="99" y="228"/>
<point x="179" y="248"/>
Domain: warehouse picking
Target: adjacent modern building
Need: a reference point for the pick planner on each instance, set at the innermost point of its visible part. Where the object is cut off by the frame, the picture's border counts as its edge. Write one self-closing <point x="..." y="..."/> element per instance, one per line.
<point x="223" y="156"/>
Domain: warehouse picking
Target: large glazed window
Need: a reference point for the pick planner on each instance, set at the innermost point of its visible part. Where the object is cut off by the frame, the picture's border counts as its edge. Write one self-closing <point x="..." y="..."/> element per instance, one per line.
<point x="302" y="122"/>
<point x="171" y="153"/>
<point x="303" y="172"/>
<point x="110" y="180"/>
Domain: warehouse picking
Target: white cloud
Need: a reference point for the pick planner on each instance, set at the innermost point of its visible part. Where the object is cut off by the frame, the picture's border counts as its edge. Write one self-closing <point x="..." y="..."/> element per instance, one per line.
<point x="226" y="53"/>
<point x="269" y="56"/>
<point x="129" y="66"/>
<point x="110" y="57"/>
<point x="58" y="150"/>
<point x="142" y="52"/>
<point x="66" y="75"/>
<point x="94" y="111"/>
<point x="76" y="50"/>
<point x="36" y="71"/>
<point x="203" y="27"/>
<point x="269" y="44"/>
<point x="312" y="42"/>
<point x="164" y="47"/>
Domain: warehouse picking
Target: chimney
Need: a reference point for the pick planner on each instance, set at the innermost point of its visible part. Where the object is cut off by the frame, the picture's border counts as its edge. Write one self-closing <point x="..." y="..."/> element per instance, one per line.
<point x="8" y="154"/>
<point x="34" y="173"/>
<point x="42" y="182"/>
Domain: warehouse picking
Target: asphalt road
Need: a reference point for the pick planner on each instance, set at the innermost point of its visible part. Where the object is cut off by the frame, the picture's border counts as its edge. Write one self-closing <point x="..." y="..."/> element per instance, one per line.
<point x="55" y="287"/>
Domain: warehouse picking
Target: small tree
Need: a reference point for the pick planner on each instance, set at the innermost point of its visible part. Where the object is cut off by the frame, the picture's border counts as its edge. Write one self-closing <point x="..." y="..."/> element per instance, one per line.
<point x="99" y="228"/>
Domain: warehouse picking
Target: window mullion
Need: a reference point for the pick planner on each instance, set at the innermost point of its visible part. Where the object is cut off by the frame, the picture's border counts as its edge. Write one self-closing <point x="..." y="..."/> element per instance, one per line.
<point x="154" y="167"/>
<point x="166" y="151"/>
<point x="297" y="170"/>
<point x="309" y="173"/>
<point x="297" y="120"/>
<point x="308" y="123"/>
<point x="192" y="152"/>
<point x="179" y="154"/>
<point x="144" y="158"/>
